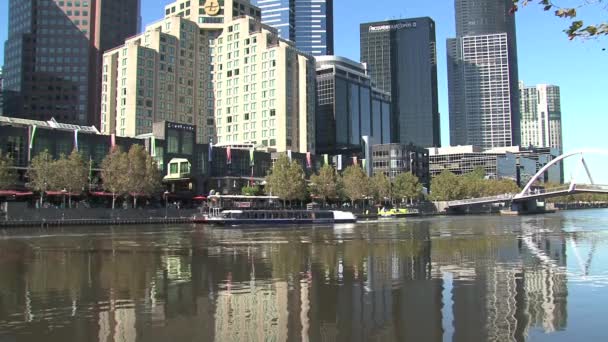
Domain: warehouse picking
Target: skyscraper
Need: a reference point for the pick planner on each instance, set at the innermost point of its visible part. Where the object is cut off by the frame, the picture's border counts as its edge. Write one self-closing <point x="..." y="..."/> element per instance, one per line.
<point x="53" y="54"/>
<point x="541" y="116"/>
<point x="401" y="57"/>
<point x="482" y="75"/>
<point x="308" y="23"/>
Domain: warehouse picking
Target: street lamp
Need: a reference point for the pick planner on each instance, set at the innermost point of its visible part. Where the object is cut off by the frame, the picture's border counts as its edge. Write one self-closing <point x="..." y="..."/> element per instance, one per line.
<point x="63" y="192"/>
<point x="166" y="195"/>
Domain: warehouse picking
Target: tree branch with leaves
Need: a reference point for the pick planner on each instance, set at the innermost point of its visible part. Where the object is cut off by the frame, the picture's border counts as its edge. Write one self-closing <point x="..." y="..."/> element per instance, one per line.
<point x="579" y="28"/>
<point x="8" y="176"/>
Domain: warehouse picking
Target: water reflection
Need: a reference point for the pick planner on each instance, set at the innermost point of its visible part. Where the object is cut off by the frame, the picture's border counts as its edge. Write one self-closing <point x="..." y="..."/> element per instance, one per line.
<point x="459" y="279"/>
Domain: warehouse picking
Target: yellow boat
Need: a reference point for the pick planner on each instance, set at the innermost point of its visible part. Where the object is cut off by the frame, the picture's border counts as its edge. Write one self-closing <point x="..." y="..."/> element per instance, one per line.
<point x="396" y="212"/>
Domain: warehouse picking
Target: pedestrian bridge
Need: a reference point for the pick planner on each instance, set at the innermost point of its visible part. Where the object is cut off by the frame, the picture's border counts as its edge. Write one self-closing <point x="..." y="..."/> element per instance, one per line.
<point x="528" y="194"/>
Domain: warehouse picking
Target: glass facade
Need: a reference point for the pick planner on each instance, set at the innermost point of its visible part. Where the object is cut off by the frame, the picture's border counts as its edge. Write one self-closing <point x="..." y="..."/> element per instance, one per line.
<point x="541" y="123"/>
<point x="401" y="56"/>
<point x="308" y="23"/>
<point x="52" y="56"/>
<point x="348" y="107"/>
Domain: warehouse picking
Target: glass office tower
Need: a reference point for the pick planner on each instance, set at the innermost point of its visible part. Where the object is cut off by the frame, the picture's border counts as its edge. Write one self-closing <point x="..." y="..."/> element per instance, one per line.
<point x="401" y="57"/>
<point x="308" y="23"/>
<point x="52" y="60"/>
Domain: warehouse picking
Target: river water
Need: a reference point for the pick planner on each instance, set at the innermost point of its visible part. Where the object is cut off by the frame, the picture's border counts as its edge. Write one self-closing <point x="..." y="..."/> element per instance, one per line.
<point x="469" y="278"/>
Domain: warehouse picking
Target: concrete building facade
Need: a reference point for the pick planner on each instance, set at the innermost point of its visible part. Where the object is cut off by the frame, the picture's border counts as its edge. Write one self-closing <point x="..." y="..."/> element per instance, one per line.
<point x="541" y="116"/>
<point x="482" y="75"/>
<point x="308" y="23"/>
<point x="512" y="162"/>
<point x="394" y="159"/>
<point x="401" y="57"/>
<point x="348" y="106"/>
<point x="226" y="73"/>
<point x="53" y="55"/>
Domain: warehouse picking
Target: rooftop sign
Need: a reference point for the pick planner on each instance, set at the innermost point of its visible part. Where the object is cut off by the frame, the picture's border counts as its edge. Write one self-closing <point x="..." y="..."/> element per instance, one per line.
<point x="393" y="27"/>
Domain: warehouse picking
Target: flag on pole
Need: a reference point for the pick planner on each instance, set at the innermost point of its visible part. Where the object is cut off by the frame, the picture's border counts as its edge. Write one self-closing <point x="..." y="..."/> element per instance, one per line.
<point x="153" y="146"/>
<point x="308" y="160"/>
<point x="326" y="159"/>
<point x="112" y="141"/>
<point x="76" y="140"/>
<point x="32" y="135"/>
<point x="289" y="154"/>
<point x="228" y="155"/>
<point x="339" y="162"/>
<point x="251" y="157"/>
<point x="210" y="151"/>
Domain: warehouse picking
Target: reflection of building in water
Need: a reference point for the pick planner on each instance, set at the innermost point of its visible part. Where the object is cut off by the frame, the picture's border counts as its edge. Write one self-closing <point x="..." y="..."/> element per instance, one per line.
<point x="546" y="285"/>
<point x="117" y="325"/>
<point x="256" y="313"/>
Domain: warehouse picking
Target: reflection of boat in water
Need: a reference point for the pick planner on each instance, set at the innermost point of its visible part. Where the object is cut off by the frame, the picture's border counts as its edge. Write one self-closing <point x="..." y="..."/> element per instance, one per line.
<point x="235" y="217"/>
<point x="397" y="212"/>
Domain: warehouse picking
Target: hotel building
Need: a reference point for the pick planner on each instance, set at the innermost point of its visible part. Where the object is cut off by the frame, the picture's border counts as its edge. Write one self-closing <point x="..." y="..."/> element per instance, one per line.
<point x="214" y="65"/>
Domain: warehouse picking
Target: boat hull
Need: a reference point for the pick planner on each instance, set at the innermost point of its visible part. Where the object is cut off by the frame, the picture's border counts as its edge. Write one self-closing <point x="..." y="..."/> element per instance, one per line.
<point x="277" y="221"/>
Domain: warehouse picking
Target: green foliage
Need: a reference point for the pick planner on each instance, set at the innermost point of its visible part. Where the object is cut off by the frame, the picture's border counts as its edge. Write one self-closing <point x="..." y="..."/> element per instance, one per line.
<point x="40" y="172"/>
<point x="407" y="186"/>
<point x="114" y="173"/>
<point x="446" y="187"/>
<point x="324" y="184"/>
<point x="578" y="28"/>
<point x="8" y="176"/>
<point x="250" y="190"/>
<point x="286" y="179"/>
<point x="355" y="183"/>
<point x="143" y="177"/>
<point x="70" y="173"/>
<point x="380" y="186"/>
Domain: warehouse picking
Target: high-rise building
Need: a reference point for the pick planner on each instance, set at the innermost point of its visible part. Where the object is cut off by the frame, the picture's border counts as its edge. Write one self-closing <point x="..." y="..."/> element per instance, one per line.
<point x="308" y="23"/>
<point x="348" y="107"/>
<point x="401" y="57"/>
<point x="1" y="91"/>
<point x="226" y="73"/>
<point x="541" y="116"/>
<point x="53" y="54"/>
<point x="482" y="75"/>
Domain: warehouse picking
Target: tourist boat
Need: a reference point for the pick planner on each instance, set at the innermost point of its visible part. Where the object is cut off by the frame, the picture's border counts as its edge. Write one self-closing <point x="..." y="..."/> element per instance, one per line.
<point x="272" y="217"/>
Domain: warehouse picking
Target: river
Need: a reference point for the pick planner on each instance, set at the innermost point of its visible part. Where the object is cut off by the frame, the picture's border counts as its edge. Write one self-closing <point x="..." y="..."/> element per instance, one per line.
<point x="466" y="278"/>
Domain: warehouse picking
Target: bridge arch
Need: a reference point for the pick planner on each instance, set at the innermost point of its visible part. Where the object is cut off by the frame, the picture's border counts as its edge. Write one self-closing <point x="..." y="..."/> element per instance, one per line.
<point x="555" y="161"/>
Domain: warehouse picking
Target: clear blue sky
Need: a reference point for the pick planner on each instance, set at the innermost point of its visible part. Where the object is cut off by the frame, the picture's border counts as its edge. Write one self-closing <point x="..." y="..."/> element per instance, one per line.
<point x="545" y="54"/>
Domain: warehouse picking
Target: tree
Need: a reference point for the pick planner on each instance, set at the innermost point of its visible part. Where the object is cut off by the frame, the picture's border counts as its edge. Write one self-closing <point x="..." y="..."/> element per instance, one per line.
<point x="40" y="173"/>
<point x="407" y="186"/>
<point x="355" y="183"/>
<point x="70" y="174"/>
<point x="250" y="190"/>
<point x="474" y="183"/>
<point x="286" y="179"/>
<point x="324" y="184"/>
<point x="578" y="27"/>
<point x="446" y="187"/>
<point x="500" y="186"/>
<point x="143" y="176"/>
<point x="8" y="176"/>
<point x="114" y="173"/>
<point x="380" y="186"/>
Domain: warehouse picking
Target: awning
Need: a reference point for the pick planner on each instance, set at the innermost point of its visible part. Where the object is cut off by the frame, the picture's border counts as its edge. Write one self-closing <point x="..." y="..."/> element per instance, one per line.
<point x="101" y="193"/>
<point x="15" y="193"/>
<point x="61" y="193"/>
